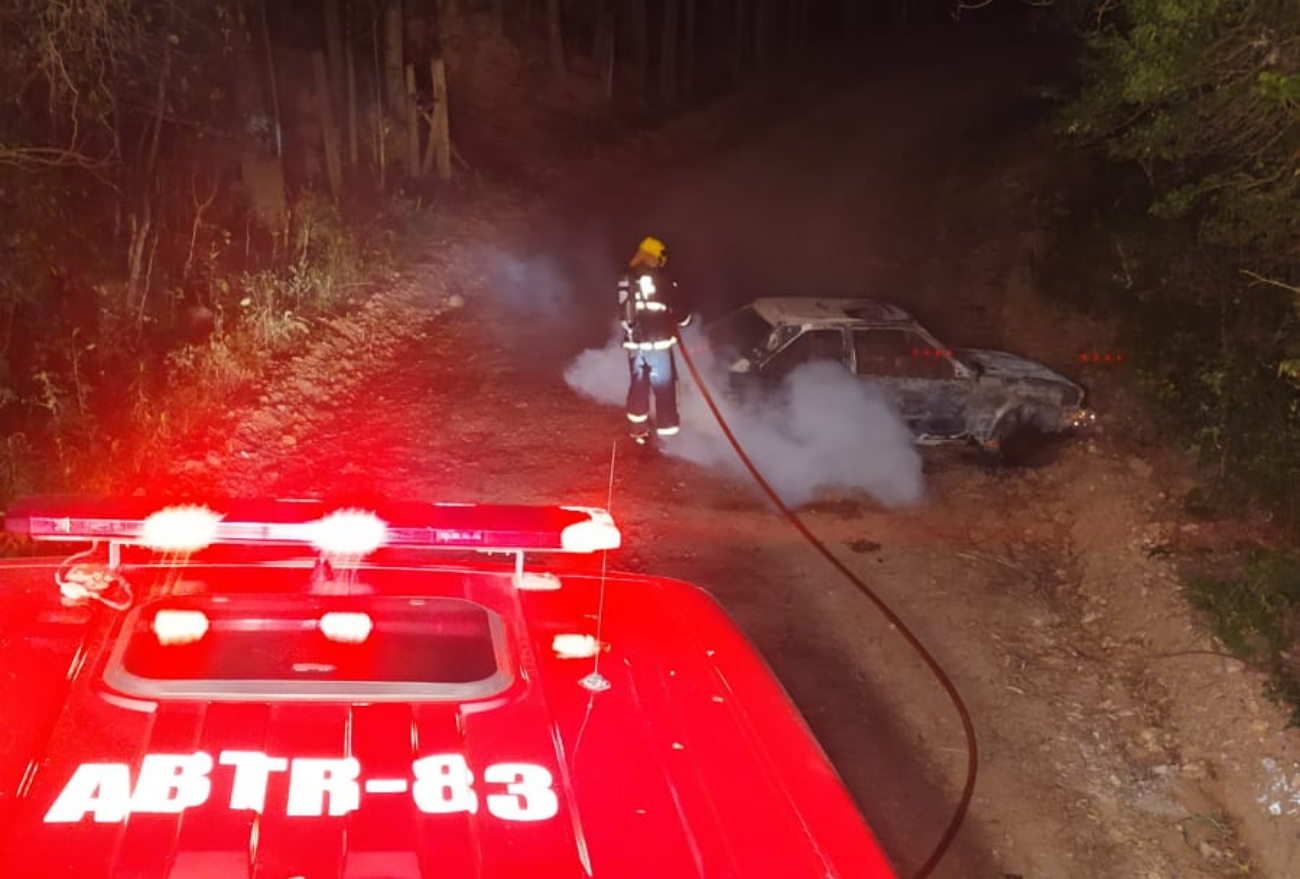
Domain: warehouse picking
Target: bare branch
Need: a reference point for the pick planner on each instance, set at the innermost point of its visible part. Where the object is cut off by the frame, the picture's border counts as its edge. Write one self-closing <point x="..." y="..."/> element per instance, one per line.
<point x="966" y="5"/>
<point x="51" y="157"/>
<point x="963" y="6"/>
<point x="1104" y="9"/>
<point x="31" y="159"/>
<point x="1272" y="282"/>
<point x="200" y="206"/>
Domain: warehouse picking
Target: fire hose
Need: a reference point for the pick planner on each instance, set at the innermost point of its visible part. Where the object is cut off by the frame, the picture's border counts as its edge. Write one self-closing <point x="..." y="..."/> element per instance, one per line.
<point x="968" y="726"/>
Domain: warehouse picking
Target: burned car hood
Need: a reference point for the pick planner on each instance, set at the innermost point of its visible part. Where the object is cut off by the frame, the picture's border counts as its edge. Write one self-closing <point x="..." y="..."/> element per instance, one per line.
<point x="1012" y="368"/>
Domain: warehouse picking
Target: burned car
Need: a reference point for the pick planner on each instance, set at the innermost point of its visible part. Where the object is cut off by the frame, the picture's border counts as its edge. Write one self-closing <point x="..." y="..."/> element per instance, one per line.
<point x="299" y="689"/>
<point x="992" y="398"/>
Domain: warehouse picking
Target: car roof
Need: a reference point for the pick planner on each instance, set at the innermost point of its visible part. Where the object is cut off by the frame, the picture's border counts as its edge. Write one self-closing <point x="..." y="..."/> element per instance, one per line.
<point x="786" y="310"/>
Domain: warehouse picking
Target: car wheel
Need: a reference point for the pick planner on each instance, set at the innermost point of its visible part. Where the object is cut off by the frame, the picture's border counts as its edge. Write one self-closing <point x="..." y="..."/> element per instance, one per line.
<point x="1017" y="442"/>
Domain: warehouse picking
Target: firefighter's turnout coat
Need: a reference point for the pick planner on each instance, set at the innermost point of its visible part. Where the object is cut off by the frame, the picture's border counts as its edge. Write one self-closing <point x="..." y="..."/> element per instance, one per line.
<point x="651" y="309"/>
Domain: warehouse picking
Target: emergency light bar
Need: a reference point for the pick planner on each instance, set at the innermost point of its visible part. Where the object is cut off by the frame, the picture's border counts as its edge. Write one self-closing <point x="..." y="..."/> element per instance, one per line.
<point x="330" y="528"/>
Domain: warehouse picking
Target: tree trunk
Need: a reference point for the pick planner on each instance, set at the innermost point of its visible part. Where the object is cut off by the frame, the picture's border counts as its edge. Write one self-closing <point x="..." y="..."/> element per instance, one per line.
<point x="668" y="52"/>
<point x="260" y="165"/>
<point x="499" y="17"/>
<point x="688" y="62"/>
<point x="412" y="125"/>
<point x="738" y="39"/>
<point x="602" y="7"/>
<point x="329" y="133"/>
<point x="137" y="283"/>
<point x="137" y="288"/>
<point x="275" y="88"/>
<point x="155" y="137"/>
<point x="641" y="43"/>
<point x="762" y="23"/>
<point x="605" y="48"/>
<point x="439" y="125"/>
<point x="378" y="115"/>
<point x="249" y="96"/>
<point x="354" y="140"/>
<point x="798" y="25"/>
<point x="848" y="18"/>
<point x="555" y="34"/>
<point x="394" y="70"/>
<point x="906" y="17"/>
<point x="333" y="10"/>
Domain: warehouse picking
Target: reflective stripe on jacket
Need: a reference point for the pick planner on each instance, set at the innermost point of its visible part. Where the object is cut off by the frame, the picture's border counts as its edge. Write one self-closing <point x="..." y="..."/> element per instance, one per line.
<point x="658" y="345"/>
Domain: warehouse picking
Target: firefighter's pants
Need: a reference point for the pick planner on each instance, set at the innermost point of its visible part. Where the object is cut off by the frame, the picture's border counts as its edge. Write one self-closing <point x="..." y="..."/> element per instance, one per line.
<point x="657" y="371"/>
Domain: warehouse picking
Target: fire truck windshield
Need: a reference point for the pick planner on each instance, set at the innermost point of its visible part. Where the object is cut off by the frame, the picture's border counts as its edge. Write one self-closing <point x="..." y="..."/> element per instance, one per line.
<point x="303" y="648"/>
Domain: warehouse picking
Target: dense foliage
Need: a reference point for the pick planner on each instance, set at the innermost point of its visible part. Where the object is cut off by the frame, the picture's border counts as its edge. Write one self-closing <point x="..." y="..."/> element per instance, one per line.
<point x="1257" y="615"/>
<point x="1203" y="96"/>
<point x="1202" y="99"/>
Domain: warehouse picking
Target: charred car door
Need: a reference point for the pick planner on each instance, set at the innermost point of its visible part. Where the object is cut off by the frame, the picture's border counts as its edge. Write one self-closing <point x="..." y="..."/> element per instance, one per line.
<point x="929" y="387"/>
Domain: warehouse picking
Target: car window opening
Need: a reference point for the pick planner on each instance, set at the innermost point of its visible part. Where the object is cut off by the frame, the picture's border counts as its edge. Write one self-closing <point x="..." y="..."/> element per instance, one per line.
<point x="813" y="345"/>
<point x="742" y="333"/>
<point x="900" y="354"/>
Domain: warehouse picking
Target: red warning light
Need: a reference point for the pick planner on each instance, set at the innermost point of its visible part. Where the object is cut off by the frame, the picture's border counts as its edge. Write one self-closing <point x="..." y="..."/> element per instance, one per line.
<point x="931" y="352"/>
<point x="1101" y="357"/>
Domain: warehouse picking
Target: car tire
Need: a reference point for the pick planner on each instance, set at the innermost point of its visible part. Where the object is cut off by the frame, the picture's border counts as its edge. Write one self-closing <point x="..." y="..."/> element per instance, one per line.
<point x="1017" y="441"/>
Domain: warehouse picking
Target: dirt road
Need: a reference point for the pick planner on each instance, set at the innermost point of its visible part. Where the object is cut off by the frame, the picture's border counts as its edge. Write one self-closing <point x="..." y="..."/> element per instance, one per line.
<point x="1115" y="741"/>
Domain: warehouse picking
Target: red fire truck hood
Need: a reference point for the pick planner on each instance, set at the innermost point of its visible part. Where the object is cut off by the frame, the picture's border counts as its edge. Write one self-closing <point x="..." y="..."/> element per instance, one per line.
<point x="692" y="763"/>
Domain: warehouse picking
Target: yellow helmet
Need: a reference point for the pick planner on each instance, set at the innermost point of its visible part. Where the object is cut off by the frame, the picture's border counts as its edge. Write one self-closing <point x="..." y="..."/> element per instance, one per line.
<point x="655" y="248"/>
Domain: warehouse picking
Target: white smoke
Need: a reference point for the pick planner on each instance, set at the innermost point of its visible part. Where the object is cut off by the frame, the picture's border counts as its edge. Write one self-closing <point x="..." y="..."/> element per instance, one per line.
<point x="822" y="428"/>
<point x="570" y="288"/>
<point x="530" y="284"/>
<point x="601" y="374"/>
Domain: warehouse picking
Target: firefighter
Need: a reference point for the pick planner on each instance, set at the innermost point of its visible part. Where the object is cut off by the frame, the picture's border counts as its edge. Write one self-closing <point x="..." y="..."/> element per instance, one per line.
<point x="651" y="310"/>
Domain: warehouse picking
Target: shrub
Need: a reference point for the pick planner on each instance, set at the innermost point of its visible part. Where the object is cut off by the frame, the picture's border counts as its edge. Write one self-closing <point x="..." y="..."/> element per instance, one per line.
<point x="1256" y="614"/>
